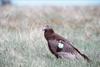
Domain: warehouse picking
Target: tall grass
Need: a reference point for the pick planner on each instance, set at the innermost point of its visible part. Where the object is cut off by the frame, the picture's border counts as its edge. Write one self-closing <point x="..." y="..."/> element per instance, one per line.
<point x="22" y="42"/>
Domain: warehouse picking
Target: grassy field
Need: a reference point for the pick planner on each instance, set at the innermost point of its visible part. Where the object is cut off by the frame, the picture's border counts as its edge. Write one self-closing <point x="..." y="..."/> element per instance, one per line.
<point x="22" y="43"/>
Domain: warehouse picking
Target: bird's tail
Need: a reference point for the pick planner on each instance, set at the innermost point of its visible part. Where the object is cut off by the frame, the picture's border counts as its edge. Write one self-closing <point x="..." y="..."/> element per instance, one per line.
<point x="83" y="55"/>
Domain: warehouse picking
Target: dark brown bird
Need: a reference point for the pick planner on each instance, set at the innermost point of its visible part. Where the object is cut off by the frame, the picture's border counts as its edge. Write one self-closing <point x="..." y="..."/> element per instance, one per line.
<point x="61" y="47"/>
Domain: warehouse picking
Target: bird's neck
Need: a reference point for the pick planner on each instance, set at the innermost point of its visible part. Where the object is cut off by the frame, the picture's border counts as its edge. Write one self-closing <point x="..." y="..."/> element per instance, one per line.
<point x="49" y="36"/>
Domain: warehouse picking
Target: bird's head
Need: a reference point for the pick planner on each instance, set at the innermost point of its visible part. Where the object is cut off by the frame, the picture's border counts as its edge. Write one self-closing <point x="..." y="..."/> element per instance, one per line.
<point x="48" y="29"/>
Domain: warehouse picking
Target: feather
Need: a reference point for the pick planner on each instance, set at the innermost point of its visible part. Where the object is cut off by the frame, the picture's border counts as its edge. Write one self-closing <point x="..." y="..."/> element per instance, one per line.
<point x="61" y="47"/>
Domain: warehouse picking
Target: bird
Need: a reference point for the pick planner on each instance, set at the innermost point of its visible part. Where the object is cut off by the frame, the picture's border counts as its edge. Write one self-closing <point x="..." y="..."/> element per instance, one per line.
<point x="60" y="47"/>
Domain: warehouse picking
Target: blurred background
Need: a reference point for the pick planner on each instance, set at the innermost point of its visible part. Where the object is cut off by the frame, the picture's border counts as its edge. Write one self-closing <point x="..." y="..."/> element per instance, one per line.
<point x="22" y="42"/>
<point x="49" y="2"/>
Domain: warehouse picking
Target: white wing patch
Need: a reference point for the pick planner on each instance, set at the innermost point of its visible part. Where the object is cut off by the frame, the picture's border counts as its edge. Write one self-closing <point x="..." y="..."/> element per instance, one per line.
<point x="60" y="45"/>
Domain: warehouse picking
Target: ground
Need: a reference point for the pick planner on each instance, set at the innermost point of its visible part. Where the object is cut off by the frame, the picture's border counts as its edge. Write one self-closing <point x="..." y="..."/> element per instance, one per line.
<point x="22" y="43"/>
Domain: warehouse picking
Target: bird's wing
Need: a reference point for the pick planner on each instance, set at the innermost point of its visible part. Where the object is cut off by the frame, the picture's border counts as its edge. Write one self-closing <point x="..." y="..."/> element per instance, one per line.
<point x="56" y="46"/>
<point x="67" y="46"/>
<point x="68" y="51"/>
<point x="73" y="52"/>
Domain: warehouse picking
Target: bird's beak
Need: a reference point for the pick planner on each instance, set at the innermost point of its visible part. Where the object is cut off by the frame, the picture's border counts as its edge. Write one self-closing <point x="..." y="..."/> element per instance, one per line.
<point x="46" y="27"/>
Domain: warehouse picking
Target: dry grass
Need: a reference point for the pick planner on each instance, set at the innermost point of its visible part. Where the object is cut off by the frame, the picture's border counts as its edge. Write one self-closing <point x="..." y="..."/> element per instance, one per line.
<point x="21" y="37"/>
